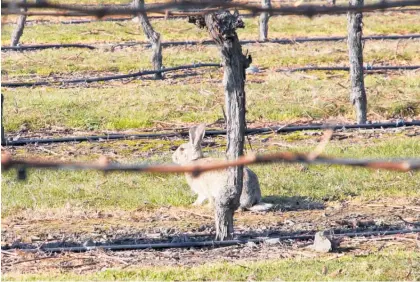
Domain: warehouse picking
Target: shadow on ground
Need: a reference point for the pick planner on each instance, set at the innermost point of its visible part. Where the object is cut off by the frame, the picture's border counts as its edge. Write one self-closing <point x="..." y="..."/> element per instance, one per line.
<point x="295" y="203"/>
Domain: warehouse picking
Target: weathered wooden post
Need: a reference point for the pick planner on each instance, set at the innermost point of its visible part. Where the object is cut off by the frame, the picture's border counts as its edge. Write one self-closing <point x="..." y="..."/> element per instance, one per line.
<point x="20" y="25"/>
<point x="3" y="137"/>
<point x="152" y="36"/>
<point x="355" y="45"/>
<point x="222" y="28"/>
<point x="264" y="20"/>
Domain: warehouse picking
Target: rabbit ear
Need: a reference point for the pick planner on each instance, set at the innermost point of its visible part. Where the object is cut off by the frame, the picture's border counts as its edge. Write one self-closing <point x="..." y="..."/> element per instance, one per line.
<point x="197" y="134"/>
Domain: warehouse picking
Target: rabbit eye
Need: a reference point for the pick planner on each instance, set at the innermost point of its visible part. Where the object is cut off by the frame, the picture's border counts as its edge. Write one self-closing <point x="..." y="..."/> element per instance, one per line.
<point x="181" y="149"/>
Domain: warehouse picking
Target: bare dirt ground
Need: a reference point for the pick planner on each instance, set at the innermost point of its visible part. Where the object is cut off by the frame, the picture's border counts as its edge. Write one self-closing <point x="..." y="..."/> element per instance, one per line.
<point x="75" y="227"/>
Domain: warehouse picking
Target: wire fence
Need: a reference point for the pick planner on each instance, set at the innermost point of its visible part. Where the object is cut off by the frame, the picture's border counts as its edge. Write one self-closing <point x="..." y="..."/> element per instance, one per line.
<point x="207" y="42"/>
<point x="402" y="165"/>
<point x="196" y="8"/>
<point x="172" y="15"/>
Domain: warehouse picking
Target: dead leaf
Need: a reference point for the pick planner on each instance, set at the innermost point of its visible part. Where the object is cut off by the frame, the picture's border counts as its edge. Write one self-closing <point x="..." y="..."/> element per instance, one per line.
<point x="324" y="270"/>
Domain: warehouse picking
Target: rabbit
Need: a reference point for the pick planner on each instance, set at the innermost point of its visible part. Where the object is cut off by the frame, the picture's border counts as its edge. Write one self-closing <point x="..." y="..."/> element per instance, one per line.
<point x="209" y="184"/>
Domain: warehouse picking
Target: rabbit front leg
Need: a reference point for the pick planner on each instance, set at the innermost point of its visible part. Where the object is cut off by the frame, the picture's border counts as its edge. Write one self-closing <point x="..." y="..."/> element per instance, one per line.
<point x="200" y="200"/>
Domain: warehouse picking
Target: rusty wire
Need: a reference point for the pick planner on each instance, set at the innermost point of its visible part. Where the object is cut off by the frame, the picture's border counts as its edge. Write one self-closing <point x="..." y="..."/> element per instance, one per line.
<point x="8" y="162"/>
<point x="199" y="8"/>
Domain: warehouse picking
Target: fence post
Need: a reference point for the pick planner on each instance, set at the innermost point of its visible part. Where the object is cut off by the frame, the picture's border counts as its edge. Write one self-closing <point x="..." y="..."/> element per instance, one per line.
<point x="20" y="25"/>
<point x="222" y="28"/>
<point x="3" y="137"/>
<point x="264" y="21"/>
<point x="152" y="36"/>
<point x="355" y="45"/>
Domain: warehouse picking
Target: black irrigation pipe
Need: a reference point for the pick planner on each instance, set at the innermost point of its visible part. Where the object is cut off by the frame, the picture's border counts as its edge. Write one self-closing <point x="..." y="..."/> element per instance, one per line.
<point x="211" y="42"/>
<point x="193" y="66"/>
<point x="367" y="68"/>
<point x="276" y="129"/>
<point x="46" y="46"/>
<point x="203" y="244"/>
<point x="107" y="78"/>
<point x="281" y="40"/>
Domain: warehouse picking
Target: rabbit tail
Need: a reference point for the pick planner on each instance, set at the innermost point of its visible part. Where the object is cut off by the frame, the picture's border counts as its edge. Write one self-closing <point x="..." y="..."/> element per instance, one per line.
<point x="261" y="207"/>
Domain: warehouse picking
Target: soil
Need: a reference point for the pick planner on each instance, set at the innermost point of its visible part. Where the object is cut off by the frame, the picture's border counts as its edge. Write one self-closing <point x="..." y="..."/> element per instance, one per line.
<point x="75" y="227"/>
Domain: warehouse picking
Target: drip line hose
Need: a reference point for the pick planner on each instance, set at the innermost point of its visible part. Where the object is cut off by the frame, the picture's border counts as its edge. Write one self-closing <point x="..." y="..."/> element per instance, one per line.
<point x="276" y="129"/>
<point x="203" y="244"/>
<point x="366" y="68"/>
<point x="193" y="66"/>
<point x="211" y="42"/>
<point x="47" y="46"/>
<point x="106" y="78"/>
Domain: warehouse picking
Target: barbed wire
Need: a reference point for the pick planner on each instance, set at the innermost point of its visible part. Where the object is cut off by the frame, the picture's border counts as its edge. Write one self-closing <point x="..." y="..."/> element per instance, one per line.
<point x="103" y="164"/>
<point x="199" y="8"/>
<point x="172" y="15"/>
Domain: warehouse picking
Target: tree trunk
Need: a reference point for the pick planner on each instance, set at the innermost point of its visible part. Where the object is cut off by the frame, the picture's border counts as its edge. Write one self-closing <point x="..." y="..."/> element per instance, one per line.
<point x="357" y="94"/>
<point x="222" y="28"/>
<point x="264" y="20"/>
<point x="152" y="36"/>
<point x="3" y="137"/>
<point x="20" y="25"/>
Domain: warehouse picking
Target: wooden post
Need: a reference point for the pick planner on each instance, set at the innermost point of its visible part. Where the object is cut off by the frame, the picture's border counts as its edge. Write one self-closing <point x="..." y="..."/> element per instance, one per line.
<point x="152" y="36"/>
<point x="358" y="93"/>
<point x="3" y="137"/>
<point x="264" y="21"/>
<point x="20" y="25"/>
<point x="222" y="28"/>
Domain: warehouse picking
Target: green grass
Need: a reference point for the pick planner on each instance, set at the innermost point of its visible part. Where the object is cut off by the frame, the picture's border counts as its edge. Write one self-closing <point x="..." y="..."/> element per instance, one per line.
<point x="383" y="266"/>
<point x="290" y="26"/>
<point x="81" y="62"/>
<point x="139" y="105"/>
<point x="271" y="97"/>
<point x="90" y="190"/>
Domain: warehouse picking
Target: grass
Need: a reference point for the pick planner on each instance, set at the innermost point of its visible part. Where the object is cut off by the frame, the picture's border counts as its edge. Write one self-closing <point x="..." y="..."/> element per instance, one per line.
<point x="144" y="104"/>
<point x="381" y="266"/>
<point x="290" y="26"/>
<point x="88" y="190"/>
<point x="316" y="96"/>
<point x="81" y="62"/>
<point x="271" y="97"/>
